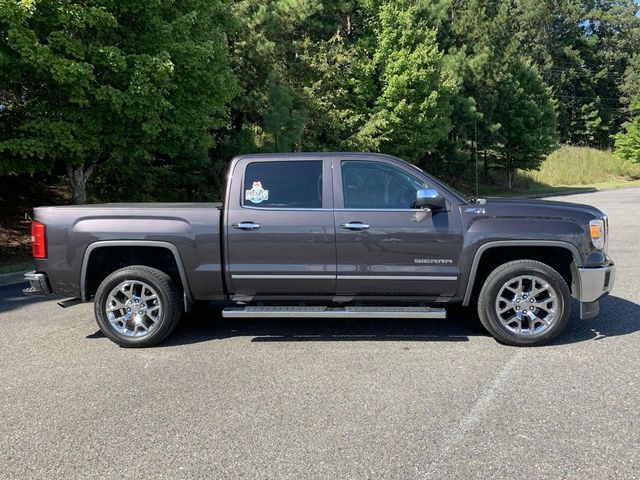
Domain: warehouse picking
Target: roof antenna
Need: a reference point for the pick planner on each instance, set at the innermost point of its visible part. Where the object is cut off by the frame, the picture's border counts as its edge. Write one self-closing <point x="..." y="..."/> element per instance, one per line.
<point x="475" y="151"/>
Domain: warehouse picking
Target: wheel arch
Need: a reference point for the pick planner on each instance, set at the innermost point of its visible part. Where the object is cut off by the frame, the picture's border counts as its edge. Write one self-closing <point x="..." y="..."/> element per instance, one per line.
<point x="475" y="273"/>
<point x="170" y="248"/>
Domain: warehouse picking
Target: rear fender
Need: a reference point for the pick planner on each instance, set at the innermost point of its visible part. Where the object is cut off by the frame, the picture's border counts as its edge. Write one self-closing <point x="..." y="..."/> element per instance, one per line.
<point x="187" y="296"/>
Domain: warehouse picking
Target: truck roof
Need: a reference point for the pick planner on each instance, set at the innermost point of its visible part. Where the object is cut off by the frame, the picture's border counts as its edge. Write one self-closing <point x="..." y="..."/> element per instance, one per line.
<point x="313" y="155"/>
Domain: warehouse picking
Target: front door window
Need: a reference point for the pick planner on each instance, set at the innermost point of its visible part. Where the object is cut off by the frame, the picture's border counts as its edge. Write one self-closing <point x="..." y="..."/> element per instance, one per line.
<point x="373" y="185"/>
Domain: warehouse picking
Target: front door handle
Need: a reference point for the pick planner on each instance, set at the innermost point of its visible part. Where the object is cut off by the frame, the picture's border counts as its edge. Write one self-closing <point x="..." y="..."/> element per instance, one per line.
<point x="355" y="226"/>
<point x="246" y="226"/>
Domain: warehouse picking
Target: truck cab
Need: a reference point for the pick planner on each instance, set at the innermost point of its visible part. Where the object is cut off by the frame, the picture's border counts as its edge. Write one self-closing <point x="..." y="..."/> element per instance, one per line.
<point x="341" y="227"/>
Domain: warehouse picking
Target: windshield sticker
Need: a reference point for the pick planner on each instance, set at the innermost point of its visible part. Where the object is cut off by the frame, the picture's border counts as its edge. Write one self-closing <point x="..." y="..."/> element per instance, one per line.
<point x="257" y="194"/>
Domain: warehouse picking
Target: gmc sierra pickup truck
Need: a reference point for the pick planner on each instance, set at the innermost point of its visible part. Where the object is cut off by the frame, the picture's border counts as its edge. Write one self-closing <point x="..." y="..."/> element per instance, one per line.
<point x="330" y="235"/>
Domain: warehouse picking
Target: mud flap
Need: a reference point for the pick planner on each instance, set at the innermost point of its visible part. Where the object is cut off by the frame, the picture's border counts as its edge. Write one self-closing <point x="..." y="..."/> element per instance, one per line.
<point x="188" y="304"/>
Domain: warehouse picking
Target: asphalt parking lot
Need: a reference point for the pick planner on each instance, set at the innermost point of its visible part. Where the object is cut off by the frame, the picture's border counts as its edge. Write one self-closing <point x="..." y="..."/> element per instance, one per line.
<point x="363" y="399"/>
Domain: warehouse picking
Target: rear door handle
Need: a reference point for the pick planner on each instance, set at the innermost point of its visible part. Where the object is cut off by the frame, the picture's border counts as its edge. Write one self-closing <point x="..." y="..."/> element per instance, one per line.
<point x="246" y="226"/>
<point x="355" y="226"/>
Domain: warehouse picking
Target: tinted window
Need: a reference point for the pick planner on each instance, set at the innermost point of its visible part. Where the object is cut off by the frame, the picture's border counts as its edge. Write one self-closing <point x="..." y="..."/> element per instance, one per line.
<point x="283" y="184"/>
<point x="377" y="185"/>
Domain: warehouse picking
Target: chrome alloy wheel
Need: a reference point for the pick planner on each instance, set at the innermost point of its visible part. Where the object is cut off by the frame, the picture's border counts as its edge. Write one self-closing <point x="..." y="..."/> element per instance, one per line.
<point x="527" y="305"/>
<point x="133" y="308"/>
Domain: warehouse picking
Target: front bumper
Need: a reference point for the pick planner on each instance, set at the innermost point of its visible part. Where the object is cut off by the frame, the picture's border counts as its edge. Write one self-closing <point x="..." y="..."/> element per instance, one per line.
<point x="593" y="284"/>
<point x="38" y="284"/>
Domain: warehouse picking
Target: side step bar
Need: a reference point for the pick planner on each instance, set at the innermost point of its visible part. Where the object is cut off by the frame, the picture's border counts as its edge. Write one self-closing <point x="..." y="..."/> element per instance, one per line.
<point x="331" y="312"/>
<point x="70" y="302"/>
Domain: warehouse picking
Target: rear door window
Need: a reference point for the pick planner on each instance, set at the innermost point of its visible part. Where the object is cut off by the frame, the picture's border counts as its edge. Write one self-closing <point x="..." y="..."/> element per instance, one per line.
<point x="290" y="184"/>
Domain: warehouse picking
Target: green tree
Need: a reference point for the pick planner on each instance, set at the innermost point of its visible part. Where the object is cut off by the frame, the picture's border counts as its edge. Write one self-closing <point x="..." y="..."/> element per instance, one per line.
<point x="627" y="142"/>
<point x="348" y="75"/>
<point x="105" y="83"/>
<point x="414" y="101"/>
<point x="612" y="30"/>
<point x="630" y="87"/>
<point x="283" y="123"/>
<point x="582" y="49"/>
<point x="338" y="80"/>
<point x="552" y="35"/>
<point x="270" y="114"/>
<point x="377" y="81"/>
<point x="504" y="111"/>
<point x="526" y="116"/>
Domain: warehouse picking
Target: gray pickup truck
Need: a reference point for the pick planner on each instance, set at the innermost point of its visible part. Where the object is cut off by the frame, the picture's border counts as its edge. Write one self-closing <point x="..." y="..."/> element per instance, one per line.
<point x="326" y="235"/>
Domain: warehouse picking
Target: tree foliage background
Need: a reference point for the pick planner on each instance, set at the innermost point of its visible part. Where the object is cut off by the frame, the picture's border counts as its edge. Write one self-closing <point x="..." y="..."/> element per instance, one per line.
<point x="147" y="100"/>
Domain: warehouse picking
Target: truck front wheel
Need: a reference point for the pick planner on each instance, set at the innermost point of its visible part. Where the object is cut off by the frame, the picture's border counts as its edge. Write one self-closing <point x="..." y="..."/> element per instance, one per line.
<point x="137" y="306"/>
<point x="524" y="303"/>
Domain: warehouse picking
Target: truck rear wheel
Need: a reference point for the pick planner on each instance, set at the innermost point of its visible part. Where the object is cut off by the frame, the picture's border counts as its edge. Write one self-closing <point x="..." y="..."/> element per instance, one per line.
<point x="137" y="306"/>
<point x="524" y="303"/>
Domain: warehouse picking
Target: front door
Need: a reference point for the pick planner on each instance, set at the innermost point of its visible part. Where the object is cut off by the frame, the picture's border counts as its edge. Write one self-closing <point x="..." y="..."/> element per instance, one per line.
<point x="385" y="246"/>
<point x="280" y="229"/>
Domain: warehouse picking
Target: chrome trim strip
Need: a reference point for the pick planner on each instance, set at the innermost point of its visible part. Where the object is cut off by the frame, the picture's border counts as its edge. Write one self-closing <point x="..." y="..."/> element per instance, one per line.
<point x="382" y="209"/>
<point x="396" y="277"/>
<point x="284" y="209"/>
<point x="285" y="277"/>
<point x="346" y="277"/>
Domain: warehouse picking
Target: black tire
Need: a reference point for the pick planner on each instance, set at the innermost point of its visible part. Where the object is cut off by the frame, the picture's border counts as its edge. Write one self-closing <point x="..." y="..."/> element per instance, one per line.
<point x="492" y="287"/>
<point x="168" y="296"/>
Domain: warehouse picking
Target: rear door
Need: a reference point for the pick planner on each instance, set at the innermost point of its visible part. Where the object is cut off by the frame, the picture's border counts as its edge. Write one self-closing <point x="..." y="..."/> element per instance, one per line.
<point x="384" y="245"/>
<point x="280" y="228"/>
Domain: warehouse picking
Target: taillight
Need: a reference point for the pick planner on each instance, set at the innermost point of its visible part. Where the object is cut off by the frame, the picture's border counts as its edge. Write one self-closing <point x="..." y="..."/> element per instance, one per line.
<point x="38" y="243"/>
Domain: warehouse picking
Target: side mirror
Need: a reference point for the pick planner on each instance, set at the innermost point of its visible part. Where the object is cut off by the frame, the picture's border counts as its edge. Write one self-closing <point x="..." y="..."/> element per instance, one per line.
<point x="429" y="198"/>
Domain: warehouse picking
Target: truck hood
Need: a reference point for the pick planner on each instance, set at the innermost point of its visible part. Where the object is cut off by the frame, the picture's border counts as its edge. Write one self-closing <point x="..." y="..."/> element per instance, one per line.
<point x="539" y="208"/>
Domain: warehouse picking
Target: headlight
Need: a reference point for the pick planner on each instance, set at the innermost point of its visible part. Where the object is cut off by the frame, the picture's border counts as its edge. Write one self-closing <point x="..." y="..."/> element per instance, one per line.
<point x="598" y="233"/>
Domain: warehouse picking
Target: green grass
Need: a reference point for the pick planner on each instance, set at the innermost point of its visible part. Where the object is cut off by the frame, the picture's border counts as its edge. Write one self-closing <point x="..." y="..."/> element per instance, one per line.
<point x="571" y="169"/>
<point x="16" y="267"/>
<point x="581" y="166"/>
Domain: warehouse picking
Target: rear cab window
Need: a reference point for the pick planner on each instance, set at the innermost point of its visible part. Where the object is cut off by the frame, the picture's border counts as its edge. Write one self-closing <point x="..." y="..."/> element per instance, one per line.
<point x="283" y="184"/>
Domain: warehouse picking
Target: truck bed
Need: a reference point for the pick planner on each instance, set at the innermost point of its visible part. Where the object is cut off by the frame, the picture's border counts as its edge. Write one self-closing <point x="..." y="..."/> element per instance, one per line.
<point x="190" y="230"/>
